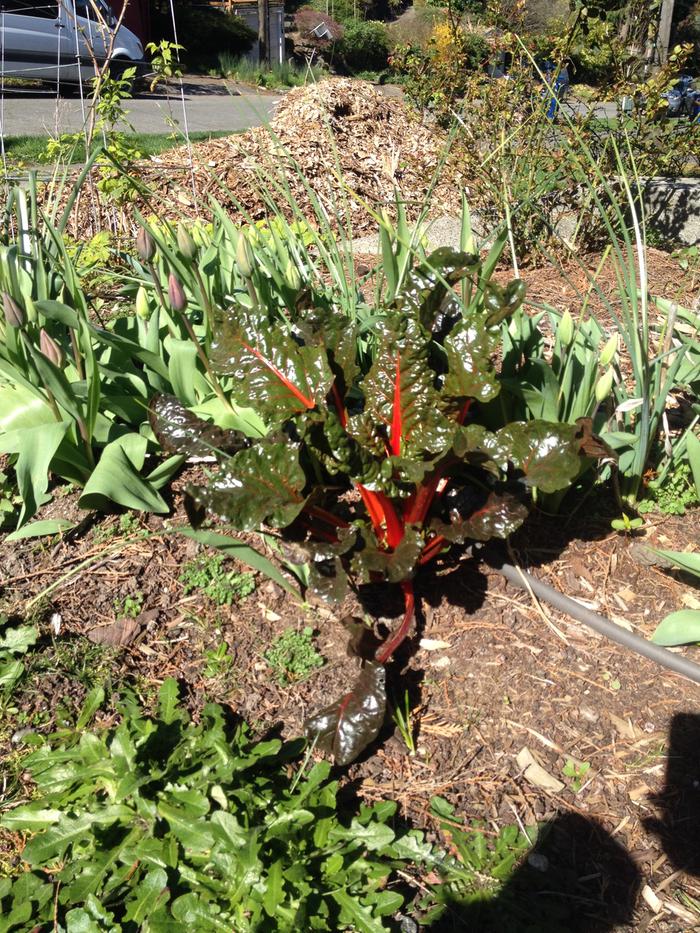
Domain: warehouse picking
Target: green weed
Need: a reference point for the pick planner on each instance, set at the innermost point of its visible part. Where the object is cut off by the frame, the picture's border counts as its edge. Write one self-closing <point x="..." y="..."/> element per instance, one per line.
<point x="576" y="773"/>
<point x="293" y="656"/>
<point x="674" y="495"/>
<point x="279" y="851"/>
<point x="219" y="661"/>
<point x="130" y="607"/>
<point x="223" y="587"/>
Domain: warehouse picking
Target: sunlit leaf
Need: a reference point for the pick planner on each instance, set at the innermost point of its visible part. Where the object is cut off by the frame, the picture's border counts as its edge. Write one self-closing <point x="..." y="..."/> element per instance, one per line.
<point x="261" y="484"/>
<point x="678" y="628"/>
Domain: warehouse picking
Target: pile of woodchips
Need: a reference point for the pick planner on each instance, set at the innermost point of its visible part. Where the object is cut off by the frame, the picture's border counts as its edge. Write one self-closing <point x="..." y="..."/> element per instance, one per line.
<point x="341" y="139"/>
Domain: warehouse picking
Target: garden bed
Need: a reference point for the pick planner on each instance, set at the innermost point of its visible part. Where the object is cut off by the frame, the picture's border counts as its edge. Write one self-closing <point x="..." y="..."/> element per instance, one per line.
<point x="495" y="681"/>
<point x="497" y="673"/>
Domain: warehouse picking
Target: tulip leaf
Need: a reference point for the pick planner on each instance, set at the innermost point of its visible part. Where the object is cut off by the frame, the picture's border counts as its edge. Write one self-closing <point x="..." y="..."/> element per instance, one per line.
<point x="685" y="560"/>
<point x="50" y="526"/>
<point x="678" y="628"/>
<point x="116" y="479"/>
<point x="35" y="448"/>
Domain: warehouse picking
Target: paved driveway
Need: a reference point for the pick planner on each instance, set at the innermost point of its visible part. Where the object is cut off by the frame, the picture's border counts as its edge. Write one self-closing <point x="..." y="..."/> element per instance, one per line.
<point x="209" y="104"/>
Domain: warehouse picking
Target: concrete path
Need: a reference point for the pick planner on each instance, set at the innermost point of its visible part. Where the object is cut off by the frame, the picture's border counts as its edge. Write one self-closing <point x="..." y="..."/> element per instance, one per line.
<point x="210" y="105"/>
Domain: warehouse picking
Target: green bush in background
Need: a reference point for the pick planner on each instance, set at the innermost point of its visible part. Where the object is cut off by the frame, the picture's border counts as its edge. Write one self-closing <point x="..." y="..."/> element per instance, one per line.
<point x="365" y="46"/>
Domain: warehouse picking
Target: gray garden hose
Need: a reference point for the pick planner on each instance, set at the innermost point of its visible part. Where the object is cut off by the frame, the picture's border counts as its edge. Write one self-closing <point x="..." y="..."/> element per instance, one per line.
<point x="674" y="662"/>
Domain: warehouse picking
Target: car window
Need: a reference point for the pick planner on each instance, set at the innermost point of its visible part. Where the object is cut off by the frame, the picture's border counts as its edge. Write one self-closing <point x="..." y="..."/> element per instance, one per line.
<point x="84" y="8"/>
<point x="46" y="10"/>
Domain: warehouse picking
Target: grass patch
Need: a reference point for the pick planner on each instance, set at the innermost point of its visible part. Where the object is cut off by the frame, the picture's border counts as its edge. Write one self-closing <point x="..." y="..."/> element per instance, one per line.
<point x="32" y="149"/>
<point x="284" y="74"/>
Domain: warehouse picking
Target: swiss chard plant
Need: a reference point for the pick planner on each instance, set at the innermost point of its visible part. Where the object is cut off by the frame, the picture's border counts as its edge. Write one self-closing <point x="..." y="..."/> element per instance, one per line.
<point x="372" y="463"/>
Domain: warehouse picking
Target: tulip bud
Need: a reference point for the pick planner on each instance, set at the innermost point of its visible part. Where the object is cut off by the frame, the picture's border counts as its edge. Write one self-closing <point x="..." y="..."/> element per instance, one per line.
<point x="291" y="274"/>
<point x="565" y="330"/>
<point x="199" y="235"/>
<point x="609" y="351"/>
<point x="185" y="243"/>
<point x="245" y="257"/>
<point x="30" y="308"/>
<point x="603" y="386"/>
<point x="143" y="307"/>
<point x="176" y="294"/>
<point x="51" y="349"/>
<point x="14" y="315"/>
<point x="145" y="245"/>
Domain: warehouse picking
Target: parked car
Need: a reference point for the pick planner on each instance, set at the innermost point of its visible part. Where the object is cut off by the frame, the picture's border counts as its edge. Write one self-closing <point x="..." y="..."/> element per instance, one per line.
<point x="683" y="99"/>
<point x="52" y="40"/>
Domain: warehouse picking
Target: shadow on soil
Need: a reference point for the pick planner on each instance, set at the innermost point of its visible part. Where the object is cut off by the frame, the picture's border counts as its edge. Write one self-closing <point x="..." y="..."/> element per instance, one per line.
<point x="678" y="827"/>
<point x="578" y="879"/>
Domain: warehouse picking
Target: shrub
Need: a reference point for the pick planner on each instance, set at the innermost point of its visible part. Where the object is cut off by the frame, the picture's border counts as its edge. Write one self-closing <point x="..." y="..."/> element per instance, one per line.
<point x="435" y="77"/>
<point x="595" y="52"/>
<point x="307" y="19"/>
<point x="205" y="32"/>
<point x="365" y="46"/>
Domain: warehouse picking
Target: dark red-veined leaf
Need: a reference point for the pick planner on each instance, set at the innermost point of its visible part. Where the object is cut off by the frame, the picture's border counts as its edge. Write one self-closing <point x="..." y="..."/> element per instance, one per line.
<point x="345" y="728"/>
<point x="363" y="641"/>
<point x="395" y="565"/>
<point x="546" y="452"/>
<point x="403" y="411"/>
<point x="497" y="517"/>
<point x="263" y="484"/>
<point x="590" y="444"/>
<point x="179" y="431"/>
<point x="271" y="371"/>
<point x="327" y="564"/>
<point x="427" y="286"/>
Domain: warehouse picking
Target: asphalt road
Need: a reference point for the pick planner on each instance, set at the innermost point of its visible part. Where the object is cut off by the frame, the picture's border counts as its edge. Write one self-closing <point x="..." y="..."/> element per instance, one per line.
<point x="210" y="105"/>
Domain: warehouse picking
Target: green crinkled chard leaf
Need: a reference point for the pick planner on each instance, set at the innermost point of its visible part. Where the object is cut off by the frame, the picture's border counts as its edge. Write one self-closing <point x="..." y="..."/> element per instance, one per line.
<point x="547" y="453"/>
<point x="339" y="452"/>
<point x="481" y="448"/>
<point x="500" y="303"/>
<point x="346" y="727"/>
<point x="323" y="327"/>
<point x="469" y="371"/>
<point x="263" y="484"/>
<point x="179" y="431"/>
<point x="270" y="371"/>
<point x="498" y="517"/>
